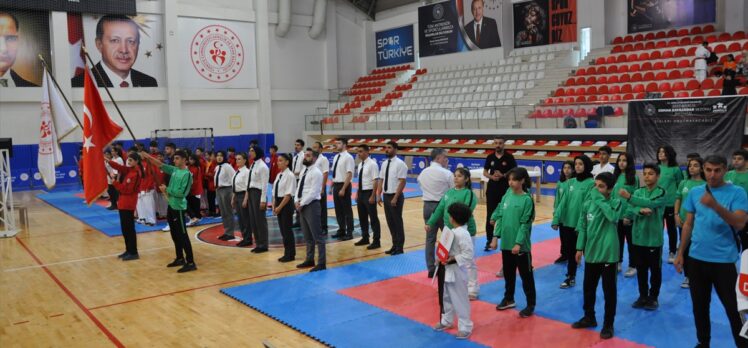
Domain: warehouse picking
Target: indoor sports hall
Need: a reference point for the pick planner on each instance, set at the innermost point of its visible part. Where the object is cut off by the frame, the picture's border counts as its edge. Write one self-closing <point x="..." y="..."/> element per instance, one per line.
<point x="368" y="173"/>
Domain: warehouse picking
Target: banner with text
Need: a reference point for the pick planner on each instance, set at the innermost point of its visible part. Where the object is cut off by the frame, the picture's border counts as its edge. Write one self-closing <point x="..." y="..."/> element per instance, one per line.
<point x="458" y="26"/>
<point x="544" y="22"/>
<point x="395" y="46"/>
<point x="705" y="125"/>
<point x="646" y="15"/>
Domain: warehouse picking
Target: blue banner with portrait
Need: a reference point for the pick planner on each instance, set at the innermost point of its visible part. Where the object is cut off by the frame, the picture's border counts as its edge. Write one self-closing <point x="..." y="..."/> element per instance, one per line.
<point x="395" y="46"/>
<point x="458" y="26"/>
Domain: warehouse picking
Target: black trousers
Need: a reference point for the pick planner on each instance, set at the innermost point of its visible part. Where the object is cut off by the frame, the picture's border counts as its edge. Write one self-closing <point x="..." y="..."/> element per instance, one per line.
<point x="127" y="225"/>
<point x="182" y="245"/>
<point x="592" y="274"/>
<point x="672" y="230"/>
<point x="494" y="194"/>
<point x="193" y="207"/>
<point x="323" y="208"/>
<point x="113" y="195"/>
<point x="722" y="276"/>
<point x="211" y="203"/>
<point x="569" y="243"/>
<point x="285" y="221"/>
<point x="744" y="237"/>
<point x="523" y="262"/>
<point x="343" y="209"/>
<point x="394" y="215"/>
<point x="624" y="233"/>
<point x="367" y="213"/>
<point x="648" y="263"/>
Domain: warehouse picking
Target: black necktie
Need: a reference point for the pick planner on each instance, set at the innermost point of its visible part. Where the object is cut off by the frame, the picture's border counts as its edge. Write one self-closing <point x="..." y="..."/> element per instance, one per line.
<point x="249" y="181"/>
<point x="335" y="166"/>
<point x="280" y="176"/>
<point x="293" y="165"/>
<point x="387" y="176"/>
<point x="361" y="173"/>
<point x="233" y="184"/>
<point x="219" y="174"/>
<point x="301" y="184"/>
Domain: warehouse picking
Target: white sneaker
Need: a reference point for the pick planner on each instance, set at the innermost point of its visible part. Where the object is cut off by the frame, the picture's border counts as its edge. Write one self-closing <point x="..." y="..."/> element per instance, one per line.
<point x="192" y="223"/>
<point x="473" y="297"/>
<point x="166" y="228"/>
<point x="670" y="258"/>
<point x="500" y="273"/>
<point x="685" y="283"/>
<point x="619" y="267"/>
<point x="630" y="272"/>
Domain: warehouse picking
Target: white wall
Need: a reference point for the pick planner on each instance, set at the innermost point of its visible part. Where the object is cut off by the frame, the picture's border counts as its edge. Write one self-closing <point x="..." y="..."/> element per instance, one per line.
<point x="616" y="19"/>
<point x="590" y="14"/>
<point x="298" y="71"/>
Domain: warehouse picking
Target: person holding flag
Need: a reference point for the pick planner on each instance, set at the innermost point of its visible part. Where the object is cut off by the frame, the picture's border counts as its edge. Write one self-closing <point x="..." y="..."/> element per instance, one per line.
<point x="56" y="123"/>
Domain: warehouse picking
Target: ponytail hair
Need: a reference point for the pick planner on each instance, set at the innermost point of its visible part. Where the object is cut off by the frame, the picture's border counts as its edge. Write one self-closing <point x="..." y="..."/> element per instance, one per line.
<point x="521" y="174"/>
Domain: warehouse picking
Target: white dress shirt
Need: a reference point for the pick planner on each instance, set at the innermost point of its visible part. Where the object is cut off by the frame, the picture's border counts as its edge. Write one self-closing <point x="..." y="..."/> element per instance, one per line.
<point x="297" y="163"/>
<point x="342" y="164"/>
<point x="462" y="251"/>
<point x="323" y="164"/>
<point x="115" y="78"/>
<point x="285" y="184"/>
<point x="259" y="177"/>
<point x="397" y="170"/>
<point x="239" y="182"/>
<point x="435" y="181"/>
<point x="8" y="79"/>
<point x="369" y="176"/>
<point x="312" y="189"/>
<point x="224" y="175"/>
<point x="597" y="169"/>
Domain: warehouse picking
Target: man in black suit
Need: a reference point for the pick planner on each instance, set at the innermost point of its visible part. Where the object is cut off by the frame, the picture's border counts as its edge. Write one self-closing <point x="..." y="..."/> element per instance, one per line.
<point x="118" y="40"/>
<point x="483" y="31"/>
<point x="8" y="50"/>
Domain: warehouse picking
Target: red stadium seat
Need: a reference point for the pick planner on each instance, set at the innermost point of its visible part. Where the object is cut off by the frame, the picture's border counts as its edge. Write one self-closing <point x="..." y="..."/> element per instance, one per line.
<point x="548" y="101"/>
<point x="655" y="55"/>
<point x="638" y="46"/>
<point x="616" y="97"/>
<point x="651" y="87"/>
<point x="602" y="80"/>
<point x="661" y="44"/>
<point x="685" y="41"/>
<point x="743" y="91"/>
<point x="734" y="47"/>
<point x="639" y="88"/>
<point x="708" y="29"/>
<point x="711" y="38"/>
<point x="616" y="49"/>
<point x="745" y="46"/>
<point x="591" y="90"/>
<point x="592" y="98"/>
<point x="618" y="111"/>
<point x="648" y="76"/>
<point x="672" y="33"/>
<point x="569" y="81"/>
<point x="614" y="89"/>
<point x="634" y="67"/>
<point x="612" y="69"/>
<point x="581" y="99"/>
<point x="613" y="79"/>
<point x="628" y="96"/>
<point x="682" y="94"/>
<point x="672" y="43"/>
<point x="678" y="86"/>
<point x="610" y="60"/>
<point x="674" y="75"/>
<point x="580" y="91"/>
<point x="707" y="84"/>
<point x="719" y="84"/>
<point x="581" y="112"/>
<point x="664" y="87"/>
<point x="628" y="47"/>
<point x="668" y="94"/>
<point x="738" y="35"/>
<point x="682" y="32"/>
<point x="559" y="92"/>
<point x="667" y="54"/>
<point x="581" y="72"/>
<point x="617" y="40"/>
<point x="691" y="51"/>
<point x="636" y="77"/>
<point x="697" y="93"/>
<point x="680" y="52"/>
<point x="688" y="74"/>
<point x="660" y="35"/>
<point x="649" y="36"/>
<point x="692" y="84"/>
<point x="628" y="39"/>
<point x="695" y="30"/>
<point x="671" y="65"/>
<point x="632" y="57"/>
<point x="644" y="56"/>
<point x="724" y="37"/>
<point x="683" y="63"/>
<point x="638" y="37"/>
<point x="601" y="70"/>
<point x="656" y="66"/>
<point x="569" y="100"/>
<point x="621" y="58"/>
<point x="641" y="95"/>
<point x="661" y="76"/>
<point x="626" y="88"/>
<point x="580" y="80"/>
<point x="625" y="78"/>
<point x="591" y="70"/>
<point x="714" y="92"/>
<point x="623" y="68"/>
<point x="600" y="61"/>
<point x="720" y="48"/>
<point x="649" y="45"/>
<point x="603" y="89"/>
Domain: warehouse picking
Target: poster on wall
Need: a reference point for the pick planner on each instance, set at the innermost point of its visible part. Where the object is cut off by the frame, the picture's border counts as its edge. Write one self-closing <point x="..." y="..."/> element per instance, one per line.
<point x="24" y="35"/>
<point x="217" y="54"/>
<point x="703" y="125"/>
<point x="458" y="26"/>
<point x="127" y="51"/>
<point x="646" y="15"/>
<point x="544" y="22"/>
<point x="395" y="46"/>
<point x="123" y="7"/>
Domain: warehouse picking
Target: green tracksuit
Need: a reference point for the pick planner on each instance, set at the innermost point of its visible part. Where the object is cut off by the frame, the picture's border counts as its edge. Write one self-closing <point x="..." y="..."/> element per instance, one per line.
<point x="647" y="230"/>
<point x="670" y="178"/>
<point x="598" y="230"/>
<point x="561" y="189"/>
<point x="621" y="184"/>
<point x="464" y="195"/>
<point x="739" y="179"/>
<point x="568" y="211"/>
<point x="514" y="217"/>
<point x="179" y="186"/>
<point x="683" y="189"/>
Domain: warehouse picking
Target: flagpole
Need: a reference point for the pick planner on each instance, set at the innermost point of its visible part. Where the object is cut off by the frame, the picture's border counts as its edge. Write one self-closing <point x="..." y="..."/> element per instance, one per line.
<point x="44" y="63"/>
<point x="98" y="73"/>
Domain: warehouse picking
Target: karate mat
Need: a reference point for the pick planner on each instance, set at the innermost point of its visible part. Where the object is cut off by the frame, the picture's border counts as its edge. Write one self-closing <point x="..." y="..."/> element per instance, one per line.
<point x="389" y="301"/>
<point x="70" y="201"/>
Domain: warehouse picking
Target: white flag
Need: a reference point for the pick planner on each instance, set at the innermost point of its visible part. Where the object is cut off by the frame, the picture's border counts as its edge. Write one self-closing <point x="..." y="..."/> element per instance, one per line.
<point x="56" y="123"/>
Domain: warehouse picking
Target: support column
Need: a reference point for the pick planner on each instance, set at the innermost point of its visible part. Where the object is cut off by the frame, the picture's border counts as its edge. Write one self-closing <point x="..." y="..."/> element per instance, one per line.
<point x="264" y="121"/>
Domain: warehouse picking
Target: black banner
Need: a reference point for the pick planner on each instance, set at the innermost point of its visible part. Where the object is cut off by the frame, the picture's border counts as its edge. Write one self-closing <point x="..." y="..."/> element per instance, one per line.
<point x="704" y="125"/>
<point x="531" y="23"/>
<point x="646" y="15"/>
<point x="120" y="7"/>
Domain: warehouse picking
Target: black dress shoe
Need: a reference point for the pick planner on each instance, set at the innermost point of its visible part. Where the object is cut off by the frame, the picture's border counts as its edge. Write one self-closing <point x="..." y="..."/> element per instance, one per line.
<point x="560" y="259"/>
<point x="176" y="262"/>
<point x="225" y="237"/>
<point x="187" y="268"/>
<point x="338" y="235"/>
<point x="318" y="268"/>
<point x="373" y="246"/>
<point x="396" y="252"/>
<point x="111" y="207"/>
<point x="362" y="242"/>
<point x="346" y="237"/>
<point x="285" y="259"/>
<point x="130" y="257"/>
<point x="431" y="274"/>
<point x="244" y="243"/>
<point x="305" y="264"/>
<point x="122" y="255"/>
<point x="259" y="250"/>
<point x="388" y="252"/>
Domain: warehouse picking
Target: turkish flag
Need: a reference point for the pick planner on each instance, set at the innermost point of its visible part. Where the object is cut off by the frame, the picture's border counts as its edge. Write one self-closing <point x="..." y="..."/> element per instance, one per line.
<point x="98" y="132"/>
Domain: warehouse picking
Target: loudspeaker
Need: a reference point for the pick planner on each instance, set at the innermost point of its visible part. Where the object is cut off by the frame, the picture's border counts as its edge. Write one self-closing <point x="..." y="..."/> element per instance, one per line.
<point x="7" y="143"/>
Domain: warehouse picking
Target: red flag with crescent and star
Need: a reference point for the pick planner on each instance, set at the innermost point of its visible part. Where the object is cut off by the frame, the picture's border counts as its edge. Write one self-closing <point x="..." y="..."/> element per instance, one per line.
<point x="98" y="132"/>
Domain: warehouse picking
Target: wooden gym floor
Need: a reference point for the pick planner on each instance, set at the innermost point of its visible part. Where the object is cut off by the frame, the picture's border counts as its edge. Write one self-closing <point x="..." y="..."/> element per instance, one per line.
<point x="61" y="284"/>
